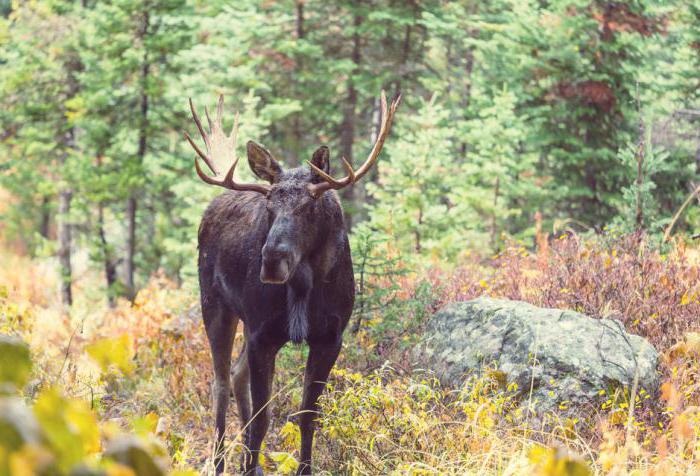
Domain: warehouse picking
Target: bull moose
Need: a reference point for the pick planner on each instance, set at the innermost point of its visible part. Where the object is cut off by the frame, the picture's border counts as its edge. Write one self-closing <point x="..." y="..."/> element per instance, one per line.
<point x="275" y="255"/>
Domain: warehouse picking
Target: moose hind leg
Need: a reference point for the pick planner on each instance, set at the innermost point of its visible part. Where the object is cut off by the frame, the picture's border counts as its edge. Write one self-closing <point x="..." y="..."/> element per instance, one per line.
<point x="318" y="367"/>
<point x="220" y="325"/>
<point x="241" y="387"/>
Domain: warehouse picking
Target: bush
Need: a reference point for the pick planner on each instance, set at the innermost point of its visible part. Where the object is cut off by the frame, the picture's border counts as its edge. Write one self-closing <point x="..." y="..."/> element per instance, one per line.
<point x="655" y="295"/>
<point x="56" y="435"/>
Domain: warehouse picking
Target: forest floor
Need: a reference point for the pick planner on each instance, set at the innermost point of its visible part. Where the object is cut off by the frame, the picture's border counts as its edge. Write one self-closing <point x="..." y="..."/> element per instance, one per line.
<point x="144" y="367"/>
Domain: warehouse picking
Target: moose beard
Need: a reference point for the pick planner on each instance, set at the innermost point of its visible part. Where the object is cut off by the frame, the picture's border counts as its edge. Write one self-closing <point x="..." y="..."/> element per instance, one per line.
<point x="298" y="295"/>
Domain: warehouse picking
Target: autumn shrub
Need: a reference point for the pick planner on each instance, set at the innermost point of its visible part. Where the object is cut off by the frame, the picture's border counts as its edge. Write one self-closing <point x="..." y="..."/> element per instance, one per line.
<point x="56" y="435"/>
<point x="625" y="277"/>
<point x="144" y="368"/>
<point x="384" y="423"/>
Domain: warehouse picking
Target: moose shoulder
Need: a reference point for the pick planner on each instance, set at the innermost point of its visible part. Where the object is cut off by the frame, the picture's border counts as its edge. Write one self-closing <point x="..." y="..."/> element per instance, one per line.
<point x="276" y="256"/>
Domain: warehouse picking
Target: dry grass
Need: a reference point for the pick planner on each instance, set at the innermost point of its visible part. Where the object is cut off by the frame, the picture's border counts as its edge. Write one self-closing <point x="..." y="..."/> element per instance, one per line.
<point x="393" y="420"/>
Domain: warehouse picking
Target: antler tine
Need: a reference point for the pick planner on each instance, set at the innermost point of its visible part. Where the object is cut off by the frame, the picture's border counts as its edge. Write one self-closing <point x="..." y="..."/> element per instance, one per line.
<point x="199" y="151"/>
<point x="225" y="147"/>
<point x="387" y="117"/>
<point x="202" y="175"/>
<point x="339" y="183"/>
<point x="211" y="124"/>
<point x="199" y="123"/>
<point x="204" y="156"/>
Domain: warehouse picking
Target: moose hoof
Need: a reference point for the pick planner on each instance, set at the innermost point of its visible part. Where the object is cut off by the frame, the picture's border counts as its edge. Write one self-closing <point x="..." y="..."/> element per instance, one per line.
<point x="257" y="471"/>
<point x="304" y="469"/>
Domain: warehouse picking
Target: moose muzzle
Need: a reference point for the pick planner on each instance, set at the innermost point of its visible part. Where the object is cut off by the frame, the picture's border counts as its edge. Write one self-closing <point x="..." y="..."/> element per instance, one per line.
<point x="276" y="264"/>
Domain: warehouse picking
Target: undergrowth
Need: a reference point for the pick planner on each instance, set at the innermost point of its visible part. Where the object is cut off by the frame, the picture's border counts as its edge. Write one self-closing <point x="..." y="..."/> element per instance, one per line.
<point x="144" y="368"/>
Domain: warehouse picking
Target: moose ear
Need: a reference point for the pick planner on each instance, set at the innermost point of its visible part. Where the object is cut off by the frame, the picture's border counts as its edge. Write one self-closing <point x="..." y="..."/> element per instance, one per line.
<point x="262" y="163"/>
<point x="321" y="159"/>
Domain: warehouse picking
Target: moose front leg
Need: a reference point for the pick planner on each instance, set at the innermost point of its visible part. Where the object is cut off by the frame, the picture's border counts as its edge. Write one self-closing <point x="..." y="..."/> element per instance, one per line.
<point x="220" y="326"/>
<point x="318" y="366"/>
<point x="261" y="365"/>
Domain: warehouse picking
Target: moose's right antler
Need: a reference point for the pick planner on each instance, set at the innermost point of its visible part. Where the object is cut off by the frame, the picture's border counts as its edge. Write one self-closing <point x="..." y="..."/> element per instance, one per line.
<point x="221" y="150"/>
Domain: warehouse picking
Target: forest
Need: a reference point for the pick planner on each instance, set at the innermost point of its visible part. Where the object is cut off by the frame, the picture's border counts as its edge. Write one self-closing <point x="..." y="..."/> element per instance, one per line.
<point x="545" y="153"/>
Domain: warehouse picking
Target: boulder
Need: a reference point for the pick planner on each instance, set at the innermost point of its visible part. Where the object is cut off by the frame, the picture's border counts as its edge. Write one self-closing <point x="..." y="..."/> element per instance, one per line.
<point x="565" y="356"/>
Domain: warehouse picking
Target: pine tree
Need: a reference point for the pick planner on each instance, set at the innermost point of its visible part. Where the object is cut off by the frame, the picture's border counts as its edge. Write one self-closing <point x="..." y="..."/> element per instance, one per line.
<point x="40" y="136"/>
<point x="129" y="49"/>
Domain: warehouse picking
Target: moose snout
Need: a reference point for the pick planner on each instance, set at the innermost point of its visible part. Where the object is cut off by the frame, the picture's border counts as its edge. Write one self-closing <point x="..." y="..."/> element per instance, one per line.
<point x="276" y="264"/>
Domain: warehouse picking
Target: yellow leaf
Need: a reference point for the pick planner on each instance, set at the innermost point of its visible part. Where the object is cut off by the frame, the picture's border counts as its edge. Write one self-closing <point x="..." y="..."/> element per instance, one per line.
<point x="291" y="434"/>
<point x="116" y="351"/>
<point x="70" y="428"/>
<point x="117" y="469"/>
<point x="286" y="463"/>
<point x="184" y="472"/>
<point x="145" y="425"/>
<point x="557" y="462"/>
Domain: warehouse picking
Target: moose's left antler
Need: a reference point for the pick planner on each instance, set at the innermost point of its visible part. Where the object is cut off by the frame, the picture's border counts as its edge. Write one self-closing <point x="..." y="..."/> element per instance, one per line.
<point x="330" y="183"/>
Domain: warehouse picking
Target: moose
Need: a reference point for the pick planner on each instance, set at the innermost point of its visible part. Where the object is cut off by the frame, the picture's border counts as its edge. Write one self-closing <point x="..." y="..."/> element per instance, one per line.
<point x="276" y="256"/>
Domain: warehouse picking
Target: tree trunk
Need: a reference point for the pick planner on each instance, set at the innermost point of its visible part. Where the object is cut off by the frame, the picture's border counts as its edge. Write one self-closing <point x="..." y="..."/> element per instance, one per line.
<point x="494" y="218"/>
<point x="107" y="258"/>
<point x="132" y="202"/>
<point x="347" y="136"/>
<point x="131" y="206"/>
<point x="639" y="206"/>
<point x="300" y="19"/>
<point x="298" y="91"/>
<point x="417" y="233"/>
<point x="65" y="195"/>
<point x="45" y="218"/>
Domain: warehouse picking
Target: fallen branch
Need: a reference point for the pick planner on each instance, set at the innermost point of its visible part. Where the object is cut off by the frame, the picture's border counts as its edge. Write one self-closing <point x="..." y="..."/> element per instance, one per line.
<point x="669" y="228"/>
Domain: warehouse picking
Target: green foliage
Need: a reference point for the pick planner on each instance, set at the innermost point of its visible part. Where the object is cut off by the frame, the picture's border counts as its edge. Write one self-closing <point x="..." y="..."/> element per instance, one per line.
<point x="376" y="274"/>
<point x="15" y="363"/>
<point x="412" y="200"/>
<point x="386" y="314"/>
<point x="510" y="108"/>
<point x="640" y="202"/>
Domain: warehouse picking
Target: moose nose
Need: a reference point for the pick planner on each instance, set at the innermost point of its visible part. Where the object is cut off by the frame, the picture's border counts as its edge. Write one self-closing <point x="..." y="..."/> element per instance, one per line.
<point x="276" y="252"/>
<point x="276" y="264"/>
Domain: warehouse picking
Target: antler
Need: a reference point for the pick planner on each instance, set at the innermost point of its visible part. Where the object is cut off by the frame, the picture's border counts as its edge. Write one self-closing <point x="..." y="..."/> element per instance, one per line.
<point x="220" y="151"/>
<point x="316" y="190"/>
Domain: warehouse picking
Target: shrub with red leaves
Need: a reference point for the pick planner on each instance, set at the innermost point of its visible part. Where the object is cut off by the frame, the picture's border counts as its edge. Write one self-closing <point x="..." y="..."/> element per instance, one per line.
<point x="654" y="295"/>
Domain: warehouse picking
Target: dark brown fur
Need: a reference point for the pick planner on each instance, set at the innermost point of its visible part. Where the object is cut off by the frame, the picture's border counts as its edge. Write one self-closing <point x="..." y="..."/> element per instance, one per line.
<point x="298" y="245"/>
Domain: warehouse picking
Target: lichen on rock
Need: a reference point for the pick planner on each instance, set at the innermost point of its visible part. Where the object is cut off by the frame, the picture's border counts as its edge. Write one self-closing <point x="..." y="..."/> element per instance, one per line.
<point x="562" y="355"/>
